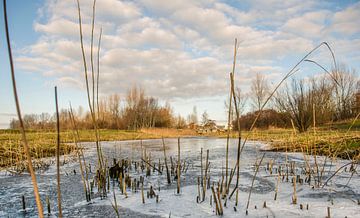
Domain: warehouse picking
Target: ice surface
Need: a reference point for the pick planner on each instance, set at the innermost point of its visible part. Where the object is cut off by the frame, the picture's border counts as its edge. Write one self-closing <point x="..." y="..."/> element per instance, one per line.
<point x="340" y="195"/>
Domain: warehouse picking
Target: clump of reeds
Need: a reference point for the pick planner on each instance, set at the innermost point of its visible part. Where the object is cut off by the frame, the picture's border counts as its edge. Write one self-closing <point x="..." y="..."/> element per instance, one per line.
<point x="101" y="171"/>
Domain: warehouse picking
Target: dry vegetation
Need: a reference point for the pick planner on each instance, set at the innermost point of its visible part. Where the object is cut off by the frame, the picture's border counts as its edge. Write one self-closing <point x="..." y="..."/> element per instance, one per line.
<point x="330" y="143"/>
<point x="43" y="143"/>
<point x="141" y="113"/>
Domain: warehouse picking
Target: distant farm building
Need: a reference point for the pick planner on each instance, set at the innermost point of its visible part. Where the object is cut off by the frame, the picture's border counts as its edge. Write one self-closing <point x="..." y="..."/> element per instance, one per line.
<point x="193" y="125"/>
<point x="212" y="126"/>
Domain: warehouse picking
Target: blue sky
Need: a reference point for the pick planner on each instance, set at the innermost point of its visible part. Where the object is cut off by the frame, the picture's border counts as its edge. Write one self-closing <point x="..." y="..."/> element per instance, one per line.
<point x="179" y="52"/>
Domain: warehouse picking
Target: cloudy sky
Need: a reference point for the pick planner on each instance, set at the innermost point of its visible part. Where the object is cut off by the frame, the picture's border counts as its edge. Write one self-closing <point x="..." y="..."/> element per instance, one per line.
<point x="179" y="51"/>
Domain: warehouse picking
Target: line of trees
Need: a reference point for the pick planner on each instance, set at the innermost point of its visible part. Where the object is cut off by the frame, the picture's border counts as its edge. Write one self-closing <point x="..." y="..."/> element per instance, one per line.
<point x="328" y="98"/>
<point x="136" y="111"/>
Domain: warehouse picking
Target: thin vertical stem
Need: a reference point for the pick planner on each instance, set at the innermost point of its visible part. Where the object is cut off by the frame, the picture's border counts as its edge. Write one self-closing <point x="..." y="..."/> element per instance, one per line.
<point x="58" y="153"/>
<point x="166" y="165"/>
<point x="80" y="155"/>
<point x="92" y="56"/>
<point x="201" y="166"/>
<point x="178" y="168"/>
<point x="253" y="180"/>
<point x="229" y="121"/>
<point x="98" y="74"/>
<point x="315" y="153"/>
<point x="205" y="175"/>
<point x="87" y="89"/>
<point x="22" y="128"/>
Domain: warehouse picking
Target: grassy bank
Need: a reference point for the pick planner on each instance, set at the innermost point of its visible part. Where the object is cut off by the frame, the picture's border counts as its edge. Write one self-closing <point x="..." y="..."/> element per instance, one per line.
<point x="331" y="140"/>
<point x="332" y="143"/>
<point x="43" y="143"/>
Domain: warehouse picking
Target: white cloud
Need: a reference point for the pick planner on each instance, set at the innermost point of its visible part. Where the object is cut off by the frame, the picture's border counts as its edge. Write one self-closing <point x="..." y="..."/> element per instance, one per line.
<point x="183" y="49"/>
<point x="347" y="21"/>
<point x="310" y="25"/>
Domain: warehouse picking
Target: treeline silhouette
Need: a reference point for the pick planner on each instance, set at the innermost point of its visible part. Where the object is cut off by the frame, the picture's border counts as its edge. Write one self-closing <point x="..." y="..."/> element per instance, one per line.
<point x="136" y="111"/>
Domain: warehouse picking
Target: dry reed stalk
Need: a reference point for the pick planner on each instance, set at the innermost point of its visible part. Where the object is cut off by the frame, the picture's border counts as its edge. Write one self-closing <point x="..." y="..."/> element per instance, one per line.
<point x="87" y="194"/>
<point x="124" y="188"/>
<point x="252" y="182"/>
<point x="121" y="183"/>
<point x="237" y="197"/>
<point x="142" y="193"/>
<point x="277" y="186"/>
<point x="328" y="213"/>
<point x="232" y="172"/>
<point x="18" y="110"/>
<point x="98" y="73"/>
<point x="152" y="166"/>
<point x="23" y="203"/>
<point x="308" y="167"/>
<point x="99" y="153"/>
<point x="314" y="148"/>
<point x="216" y="201"/>
<point x="237" y="166"/>
<point x="166" y="165"/>
<point x="292" y="71"/>
<point x="115" y="205"/>
<point x="178" y="168"/>
<point x="48" y="205"/>
<point x="322" y="170"/>
<point x="205" y="176"/>
<point x="232" y="93"/>
<point x="198" y="181"/>
<point x="350" y="163"/>
<point x="294" y="197"/>
<point x="219" y="199"/>
<point x="80" y="156"/>
<point x="58" y="153"/>
<point x="229" y="120"/>
<point x="201" y="166"/>
<point x="92" y="55"/>
<point x="222" y="188"/>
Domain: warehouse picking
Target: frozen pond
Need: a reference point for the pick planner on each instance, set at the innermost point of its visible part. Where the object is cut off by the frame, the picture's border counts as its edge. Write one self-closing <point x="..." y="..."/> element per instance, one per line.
<point x="342" y="194"/>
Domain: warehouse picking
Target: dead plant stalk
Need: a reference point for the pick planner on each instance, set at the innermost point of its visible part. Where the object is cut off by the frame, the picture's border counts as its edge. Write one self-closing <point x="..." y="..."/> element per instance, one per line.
<point x="22" y="128"/>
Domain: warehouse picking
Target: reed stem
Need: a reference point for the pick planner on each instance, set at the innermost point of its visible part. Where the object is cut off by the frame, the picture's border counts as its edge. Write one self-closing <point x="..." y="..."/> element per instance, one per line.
<point x="22" y="128"/>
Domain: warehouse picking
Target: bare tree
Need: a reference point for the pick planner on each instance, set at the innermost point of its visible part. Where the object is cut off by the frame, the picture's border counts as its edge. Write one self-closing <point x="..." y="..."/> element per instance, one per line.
<point x="297" y="101"/>
<point x="321" y="92"/>
<point x="345" y="82"/>
<point x="259" y="91"/>
<point x="179" y="122"/>
<point x="143" y="112"/>
<point x="114" y="109"/>
<point x="241" y="103"/>
<point x="357" y="98"/>
<point x="193" y="117"/>
<point x="204" y="118"/>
